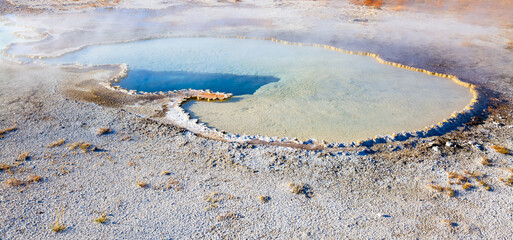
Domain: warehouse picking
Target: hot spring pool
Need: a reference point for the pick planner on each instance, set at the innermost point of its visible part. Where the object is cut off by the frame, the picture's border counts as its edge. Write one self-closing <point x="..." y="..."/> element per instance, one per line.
<point x="285" y="90"/>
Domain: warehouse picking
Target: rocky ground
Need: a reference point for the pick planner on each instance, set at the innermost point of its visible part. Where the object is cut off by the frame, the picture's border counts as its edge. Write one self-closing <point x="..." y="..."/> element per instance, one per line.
<point x="76" y="164"/>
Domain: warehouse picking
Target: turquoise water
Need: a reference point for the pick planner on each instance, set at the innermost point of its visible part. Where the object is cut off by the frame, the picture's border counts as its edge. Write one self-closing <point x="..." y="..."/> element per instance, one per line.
<point x="318" y="93"/>
<point x="155" y="81"/>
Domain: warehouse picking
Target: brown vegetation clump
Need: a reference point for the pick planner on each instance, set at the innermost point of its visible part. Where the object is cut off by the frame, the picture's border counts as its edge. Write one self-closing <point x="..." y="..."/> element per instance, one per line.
<point x="264" y="199"/>
<point x="228" y="216"/>
<point x="84" y="146"/>
<point x="4" y="166"/>
<point x="485" y="161"/>
<point x="507" y="181"/>
<point x="142" y="184"/>
<point x="7" y="130"/>
<point x="102" y="131"/>
<point x="296" y="188"/>
<point x="23" y="157"/>
<point x="449" y="191"/>
<point x="56" y="144"/>
<point x="500" y="149"/>
<point x="461" y="179"/>
<point x="34" y="178"/>
<point x="74" y="145"/>
<point x="57" y="226"/>
<point x="14" y="182"/>
<point x="102" y="219"/>
<point x="484" y="185"/>
<point x="173" y="184"/>
<point x="301" y="189"/>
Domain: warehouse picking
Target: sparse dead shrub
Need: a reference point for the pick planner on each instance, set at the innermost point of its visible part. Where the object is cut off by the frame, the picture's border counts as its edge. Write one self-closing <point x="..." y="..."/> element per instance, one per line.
<point x="4" y="166"/>
<point x="485" y="161"/>
<point x="449" y="191"/>
<point x="85" y="146"/>
<point x="300" y="189"/>
<point x="125" y="138"/>
<point x="467" y="186"/>
<point x="23" y="157"/>
<point x="501" y="149"/>
<point x="14" y="182"/>
<point x="56" y="144"/>
<point x="264" y="199"/>
<point x="228" y="216"/>
<point x="102" y="131"/>
<point x="57" y="226"/>
<point x="34" y="178"/>
<point x="7" y="130"/>
<point x="74" y="145"/>
<point x="102" y="219"/>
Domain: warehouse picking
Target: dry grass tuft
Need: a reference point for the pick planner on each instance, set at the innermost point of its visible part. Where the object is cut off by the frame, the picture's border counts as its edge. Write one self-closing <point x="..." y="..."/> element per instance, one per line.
<point x="34" y="178"/>
<point x="500" y="149"/>
<point x="301" y="189"/>
<point x="56" y="144"/>
<point x="14" y="182"/>
<point x="214" y="197"/>
<point x="485" y="161"/>
<point x="447" y="222"/>
<point x="507" y="181"/>
<point x="461" y="179"/>
<point x="296" y="188"/>
<point x="102" y="131"/>
<point x="264" y="199"/>
<point x="125" y="138"/>
<point x="7" y="130"/>
<point x="4" y="166"/>
<point x="173" y="184"/>
<point x="484" y="185"/>
<point x="228" y="216"/>
<point x="23" y="157"/>
<point x="57" y="226"/>
<point x="102" y="219"/>
<point x="449" y="191"/>
<point x="74" y="145"/>
<point x="467" y="186"/>
<point x="142" y="184"/>
<point x="85" y="146"/>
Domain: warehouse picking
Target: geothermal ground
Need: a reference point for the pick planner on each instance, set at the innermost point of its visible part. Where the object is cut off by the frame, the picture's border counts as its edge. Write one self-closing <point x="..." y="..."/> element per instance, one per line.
<point x="83" y="161"/>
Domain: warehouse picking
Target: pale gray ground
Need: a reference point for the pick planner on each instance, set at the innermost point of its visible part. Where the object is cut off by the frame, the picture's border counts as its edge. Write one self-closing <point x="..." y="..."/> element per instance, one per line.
<point x="378" y="192"/>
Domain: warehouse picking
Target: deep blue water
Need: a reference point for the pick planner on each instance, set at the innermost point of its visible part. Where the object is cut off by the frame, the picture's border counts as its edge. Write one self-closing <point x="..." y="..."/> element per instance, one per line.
<point x="154" y="81"/>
